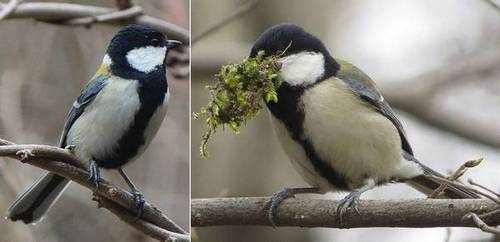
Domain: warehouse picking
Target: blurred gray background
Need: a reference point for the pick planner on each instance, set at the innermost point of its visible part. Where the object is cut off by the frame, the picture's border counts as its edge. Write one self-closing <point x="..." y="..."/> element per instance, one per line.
<point x="392" y="41"/>
<point x="42" y="70"/>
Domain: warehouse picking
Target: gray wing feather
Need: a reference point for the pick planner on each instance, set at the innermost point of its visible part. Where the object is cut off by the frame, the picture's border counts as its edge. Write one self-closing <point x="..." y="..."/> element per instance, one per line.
<point x="363" y="86"/>
<point x="86" y="96"/>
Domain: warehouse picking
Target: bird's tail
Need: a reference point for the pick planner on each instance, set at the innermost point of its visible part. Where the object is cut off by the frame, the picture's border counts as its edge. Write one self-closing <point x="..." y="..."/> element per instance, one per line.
<point x="426" y="184"/>
<point x="35" y="202"/>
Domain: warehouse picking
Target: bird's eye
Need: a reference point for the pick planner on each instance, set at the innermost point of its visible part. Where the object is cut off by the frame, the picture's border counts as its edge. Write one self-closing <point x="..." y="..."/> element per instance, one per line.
<point x="155" y="42"/>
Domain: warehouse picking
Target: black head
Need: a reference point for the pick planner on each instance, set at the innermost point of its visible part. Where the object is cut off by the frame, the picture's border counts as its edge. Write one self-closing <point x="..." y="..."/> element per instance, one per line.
<point x="139" y="48"/>
<point x="294" y="40"/>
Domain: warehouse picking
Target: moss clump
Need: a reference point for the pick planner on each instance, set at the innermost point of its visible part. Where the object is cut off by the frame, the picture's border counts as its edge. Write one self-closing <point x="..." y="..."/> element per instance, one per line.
<point x="236" y="94"/>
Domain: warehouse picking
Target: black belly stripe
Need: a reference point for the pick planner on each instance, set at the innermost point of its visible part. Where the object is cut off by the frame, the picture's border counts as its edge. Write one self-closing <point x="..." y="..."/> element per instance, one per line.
<point x="289" y="111"/>
<point x="151" y="90"/>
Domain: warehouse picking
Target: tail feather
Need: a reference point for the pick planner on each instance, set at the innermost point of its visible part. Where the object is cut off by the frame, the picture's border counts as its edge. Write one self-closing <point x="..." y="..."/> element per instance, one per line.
<point x="35" y="202"/>
<point x="426" y="184"/>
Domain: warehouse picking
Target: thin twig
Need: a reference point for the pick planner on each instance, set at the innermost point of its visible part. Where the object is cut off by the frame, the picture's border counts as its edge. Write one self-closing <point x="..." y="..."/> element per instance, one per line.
<point x="483" y="187"/>
<point x="9" y="8"/>
<point x="460" y="185"/>
<point x="455" y="175"/>
<point x="481" y="224"/>
<point x="62" y="162"/>
<point x="61" y="12"/>
<point x="107" y="17"/>
<point x="241" y="11"/>
<point x="493" y="4"/>
<point x="145" y="227"/>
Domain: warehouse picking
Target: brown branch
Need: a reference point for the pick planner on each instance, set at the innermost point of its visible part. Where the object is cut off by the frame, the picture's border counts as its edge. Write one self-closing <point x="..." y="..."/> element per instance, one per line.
<point x="62" y="13"/>
<point x="62" y="162"/>
<point x="457" y="174"/>
<point x="241" y="11"/>
<point x="301" y="212"/>
<point x="145" y="227"/>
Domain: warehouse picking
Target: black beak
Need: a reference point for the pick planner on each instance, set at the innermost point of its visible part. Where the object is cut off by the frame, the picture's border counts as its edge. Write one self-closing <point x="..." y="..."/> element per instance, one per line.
<point x="171" y="44"/>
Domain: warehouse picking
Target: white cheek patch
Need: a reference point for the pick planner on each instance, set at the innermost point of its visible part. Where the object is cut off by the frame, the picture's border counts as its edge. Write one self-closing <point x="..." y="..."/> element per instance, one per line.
<point x="146" y="59"/>
<point x="302" y="68"/>
<point x="106" y="60"/>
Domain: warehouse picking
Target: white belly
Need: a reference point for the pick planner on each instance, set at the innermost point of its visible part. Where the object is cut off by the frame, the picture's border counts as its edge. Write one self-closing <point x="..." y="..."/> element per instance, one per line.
<point x="351" y="137"/>
<point x="97" y="131"/>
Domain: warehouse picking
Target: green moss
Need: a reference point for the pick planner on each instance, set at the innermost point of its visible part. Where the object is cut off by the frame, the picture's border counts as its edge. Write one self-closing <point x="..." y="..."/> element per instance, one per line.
<point x="237" y="92"/>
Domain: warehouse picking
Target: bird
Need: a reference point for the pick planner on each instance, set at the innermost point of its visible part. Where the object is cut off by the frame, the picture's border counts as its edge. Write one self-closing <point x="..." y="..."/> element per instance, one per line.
<point x="113" y="120"/>
<point x="335" y="126"/>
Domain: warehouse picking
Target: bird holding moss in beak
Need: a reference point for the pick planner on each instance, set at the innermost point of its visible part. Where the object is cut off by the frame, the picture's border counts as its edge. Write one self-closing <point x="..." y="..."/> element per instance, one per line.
<point x="113" y="120"/>
<point x="335" y="126"/>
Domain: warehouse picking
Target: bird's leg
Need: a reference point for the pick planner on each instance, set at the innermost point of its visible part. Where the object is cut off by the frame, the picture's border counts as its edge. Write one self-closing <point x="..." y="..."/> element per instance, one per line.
<point x="352" y="199"/>
<point x="138" y="197"/>
<point x="277" y="198"/>
<point x="95" y="174"/>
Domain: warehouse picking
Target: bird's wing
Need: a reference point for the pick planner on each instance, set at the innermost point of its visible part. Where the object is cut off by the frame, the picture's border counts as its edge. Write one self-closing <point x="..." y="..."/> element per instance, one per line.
<point x="363" y="86"/>
<point x="86" y="96"/>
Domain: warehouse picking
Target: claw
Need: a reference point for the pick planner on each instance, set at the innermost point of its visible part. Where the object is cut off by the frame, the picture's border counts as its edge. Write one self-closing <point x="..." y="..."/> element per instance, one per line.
<point x="139" y="203"/>
<point x="279" y="197"/>
<point x="274" y="203"/>
<point x="95" y="175"/>
<point x="349" y="201"/>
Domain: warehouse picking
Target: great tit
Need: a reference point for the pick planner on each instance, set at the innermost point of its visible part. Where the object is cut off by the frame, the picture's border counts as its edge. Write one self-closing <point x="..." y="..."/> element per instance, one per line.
<point x="113" y="120"/>
<point x="335" y="126"/>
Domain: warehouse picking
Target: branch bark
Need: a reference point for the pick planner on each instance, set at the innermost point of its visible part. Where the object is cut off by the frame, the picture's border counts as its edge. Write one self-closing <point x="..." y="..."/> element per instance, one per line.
<point x="301" y="212"/>
<point x="120" y="202"/>
<point x="62" y="13"/>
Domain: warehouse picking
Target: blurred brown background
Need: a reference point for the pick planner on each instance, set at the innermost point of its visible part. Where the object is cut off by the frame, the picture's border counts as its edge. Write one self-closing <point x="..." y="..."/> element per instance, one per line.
<point x="42" y="70"/>
<point x="392" y="41"/>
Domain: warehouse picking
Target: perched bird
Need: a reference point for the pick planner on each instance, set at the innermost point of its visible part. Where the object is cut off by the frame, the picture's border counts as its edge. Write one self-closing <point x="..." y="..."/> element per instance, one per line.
<point x="113" y="120"/>
<point x="335" y="126"/>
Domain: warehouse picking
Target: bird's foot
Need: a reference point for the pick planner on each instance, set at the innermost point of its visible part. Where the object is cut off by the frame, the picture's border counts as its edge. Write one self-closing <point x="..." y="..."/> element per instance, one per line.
<point x="139" y="202"/>
<point x="70" y="148"/>
<point x="95" y="174"/>
<point x="349" y="201"/>
<point x="277" y="198"/>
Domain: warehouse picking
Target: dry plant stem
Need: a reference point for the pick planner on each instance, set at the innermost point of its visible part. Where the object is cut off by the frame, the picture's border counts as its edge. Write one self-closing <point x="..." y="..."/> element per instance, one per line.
<point x="63" y="163"/>
<point x="63" y="12"/>
<point x="241" y="11"/>
<point x="302" y="212"/>
<point x="453" y="177"/>
<point x="444" y="180"/>
<point x="148" y="228"/>
<point x="483" y="187"/>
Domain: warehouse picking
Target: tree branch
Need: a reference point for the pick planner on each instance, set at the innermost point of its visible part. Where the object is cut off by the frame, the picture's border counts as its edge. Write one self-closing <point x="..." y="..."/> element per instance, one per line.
<point x="115" y="199"/>
<point x="147" y="228"/>
<point x="241" y="11"/>
<point x="301" y="212"/>
<point x="62" y="13"/>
